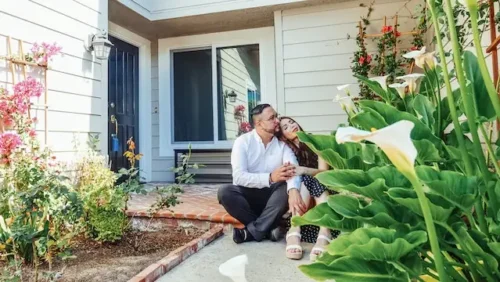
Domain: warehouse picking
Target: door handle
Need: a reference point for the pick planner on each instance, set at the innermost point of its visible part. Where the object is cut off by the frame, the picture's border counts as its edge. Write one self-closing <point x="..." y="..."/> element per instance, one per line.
<point x="112" y="105"/>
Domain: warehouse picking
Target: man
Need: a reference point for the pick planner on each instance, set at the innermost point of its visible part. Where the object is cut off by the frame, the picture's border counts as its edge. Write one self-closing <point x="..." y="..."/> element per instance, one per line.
<point x="264" y="180"/>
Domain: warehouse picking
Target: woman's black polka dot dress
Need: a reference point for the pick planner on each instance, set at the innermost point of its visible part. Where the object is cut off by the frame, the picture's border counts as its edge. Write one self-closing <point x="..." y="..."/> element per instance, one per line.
<point x="310" y="232"/>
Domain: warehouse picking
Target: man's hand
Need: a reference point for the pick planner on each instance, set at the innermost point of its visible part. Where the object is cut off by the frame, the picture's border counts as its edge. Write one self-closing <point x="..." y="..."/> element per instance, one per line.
<point x="301" y="170"/>
<point x="295" y="202"/>
<point x="283" y="173"/>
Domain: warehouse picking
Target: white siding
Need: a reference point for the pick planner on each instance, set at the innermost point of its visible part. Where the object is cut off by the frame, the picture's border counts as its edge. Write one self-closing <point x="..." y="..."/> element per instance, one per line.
<point x="77" y="82"/>
<point x="161" y="165"/>
<point x="317" y="45"/>
<point x="238" y="73"/>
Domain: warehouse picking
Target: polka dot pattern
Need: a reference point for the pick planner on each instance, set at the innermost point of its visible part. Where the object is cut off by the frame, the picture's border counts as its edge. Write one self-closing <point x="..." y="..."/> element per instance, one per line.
<point x="310" y="232"/>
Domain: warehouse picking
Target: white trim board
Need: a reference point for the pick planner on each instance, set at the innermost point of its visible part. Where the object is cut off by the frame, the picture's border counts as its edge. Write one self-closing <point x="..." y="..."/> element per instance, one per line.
<point x="262" y="36"/>
<point x="145" y="131"/>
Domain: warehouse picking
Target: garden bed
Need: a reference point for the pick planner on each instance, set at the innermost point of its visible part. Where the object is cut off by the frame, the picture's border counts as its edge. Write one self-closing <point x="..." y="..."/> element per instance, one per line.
<point x="120" y="261"/>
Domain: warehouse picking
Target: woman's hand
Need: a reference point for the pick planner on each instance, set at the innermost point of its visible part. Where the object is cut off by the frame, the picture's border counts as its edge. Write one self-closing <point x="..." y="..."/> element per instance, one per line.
<point x="295" y="202"/>
<point x="301" y="170"/>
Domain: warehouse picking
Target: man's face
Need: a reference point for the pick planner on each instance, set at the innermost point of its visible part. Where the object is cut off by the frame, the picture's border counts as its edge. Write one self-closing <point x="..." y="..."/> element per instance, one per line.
<point x="268" y="120"/>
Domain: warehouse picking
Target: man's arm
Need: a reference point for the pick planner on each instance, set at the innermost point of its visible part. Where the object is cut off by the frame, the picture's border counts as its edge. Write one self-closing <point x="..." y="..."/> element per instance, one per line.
<point x="239" y="163"/>
<point x="289" y="157"/>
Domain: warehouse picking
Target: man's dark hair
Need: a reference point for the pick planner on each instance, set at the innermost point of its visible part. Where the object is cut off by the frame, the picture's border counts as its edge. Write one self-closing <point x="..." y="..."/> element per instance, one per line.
<point x="257" y="110"/>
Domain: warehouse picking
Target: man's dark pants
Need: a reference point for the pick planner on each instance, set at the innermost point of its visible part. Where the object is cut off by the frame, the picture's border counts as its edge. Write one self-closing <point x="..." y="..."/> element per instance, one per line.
<point x="260" y="210"/>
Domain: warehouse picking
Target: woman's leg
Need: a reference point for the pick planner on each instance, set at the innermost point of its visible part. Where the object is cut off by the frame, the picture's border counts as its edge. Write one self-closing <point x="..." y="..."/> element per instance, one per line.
<point x="294" y="236"/>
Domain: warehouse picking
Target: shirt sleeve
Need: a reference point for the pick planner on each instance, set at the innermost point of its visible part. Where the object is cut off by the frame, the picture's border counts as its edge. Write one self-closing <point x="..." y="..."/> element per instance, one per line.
<point x="239" y="163"/>
<point x="289" y="156"/>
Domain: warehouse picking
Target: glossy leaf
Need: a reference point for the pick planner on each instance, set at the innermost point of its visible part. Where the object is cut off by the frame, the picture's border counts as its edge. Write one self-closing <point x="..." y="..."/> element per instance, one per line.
<point x="347" y="269"/>
<point x="393" y="115"/>
<point x="425" y="110"/>
<point x="323" y="215"/>
<point x="375" y="87"/>
<point x="477" y="86"/>
<point x="440" y="209"/>
<point x="377" y="243"/>
<point x="427" y="152"/>
<point x="374" y="213"/>
<point x="454" y="187"/>
<point x="372" y="184"/>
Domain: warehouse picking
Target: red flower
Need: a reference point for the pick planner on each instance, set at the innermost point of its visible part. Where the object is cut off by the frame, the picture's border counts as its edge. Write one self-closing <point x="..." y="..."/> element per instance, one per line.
<point x="386" y="28"/>
<point x="32" y="133"/>
<point x="398" y="34"/>
<point x="368" y="59"/>
<point x="9" y="142"/>
<point x="361" y="60"/>
<point x="245" y="126"/>
<point x="414" y="48"/>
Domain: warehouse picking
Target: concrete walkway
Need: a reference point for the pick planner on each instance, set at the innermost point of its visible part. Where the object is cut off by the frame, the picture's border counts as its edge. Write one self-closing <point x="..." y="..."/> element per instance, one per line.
<point x="266" y="262"/>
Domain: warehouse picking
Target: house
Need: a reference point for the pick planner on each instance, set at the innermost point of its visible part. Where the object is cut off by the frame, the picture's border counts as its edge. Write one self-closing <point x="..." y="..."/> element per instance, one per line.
<point x="178" y="69"/>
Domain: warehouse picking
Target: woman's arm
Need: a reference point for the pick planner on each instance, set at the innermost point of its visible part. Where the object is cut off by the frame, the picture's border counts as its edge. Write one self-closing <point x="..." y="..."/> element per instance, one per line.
<point x="322" y="166"/>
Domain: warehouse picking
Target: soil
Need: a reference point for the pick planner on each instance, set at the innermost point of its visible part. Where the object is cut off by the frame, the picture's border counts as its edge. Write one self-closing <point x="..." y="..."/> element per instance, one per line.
<point x="116" y="262"/>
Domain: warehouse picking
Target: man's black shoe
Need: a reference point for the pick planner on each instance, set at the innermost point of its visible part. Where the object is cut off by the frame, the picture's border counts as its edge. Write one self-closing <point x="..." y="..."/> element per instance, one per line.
<point x="276" y="234"/>
<point x="241" y="235"/>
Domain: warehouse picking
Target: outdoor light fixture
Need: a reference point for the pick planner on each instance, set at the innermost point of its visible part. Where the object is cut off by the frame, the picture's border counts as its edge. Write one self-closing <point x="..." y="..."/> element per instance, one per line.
<point x="100" y="44"/>
<point x="231" y="95"/>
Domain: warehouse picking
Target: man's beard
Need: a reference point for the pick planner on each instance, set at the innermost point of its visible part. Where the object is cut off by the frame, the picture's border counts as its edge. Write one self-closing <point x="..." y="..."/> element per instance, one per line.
<point x="272" y="131"/>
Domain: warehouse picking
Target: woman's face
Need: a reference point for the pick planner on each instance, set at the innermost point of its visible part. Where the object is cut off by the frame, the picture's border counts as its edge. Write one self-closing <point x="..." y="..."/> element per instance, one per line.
<point x="289" y="128"/>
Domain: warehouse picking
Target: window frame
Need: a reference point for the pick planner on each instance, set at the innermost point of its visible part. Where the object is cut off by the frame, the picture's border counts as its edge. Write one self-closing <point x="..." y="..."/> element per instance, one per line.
<point x="264" y="37"/>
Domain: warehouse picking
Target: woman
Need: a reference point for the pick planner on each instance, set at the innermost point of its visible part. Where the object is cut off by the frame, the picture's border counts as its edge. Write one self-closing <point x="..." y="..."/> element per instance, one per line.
<point x="309" y="165"/>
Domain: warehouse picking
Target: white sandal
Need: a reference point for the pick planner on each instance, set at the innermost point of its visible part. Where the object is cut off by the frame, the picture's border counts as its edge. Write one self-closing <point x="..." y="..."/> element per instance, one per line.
<point x="313" y="256"/>
<point x="296" y="255"/>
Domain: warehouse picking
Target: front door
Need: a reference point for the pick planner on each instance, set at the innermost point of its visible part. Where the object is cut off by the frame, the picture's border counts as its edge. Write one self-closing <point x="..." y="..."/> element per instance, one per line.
<point x="123" y="100"/>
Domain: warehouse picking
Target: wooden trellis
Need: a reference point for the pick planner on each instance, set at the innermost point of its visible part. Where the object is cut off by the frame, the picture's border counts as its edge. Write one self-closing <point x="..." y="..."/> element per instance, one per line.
<point x="395" y="31"/>
<point x="20" y="61"/>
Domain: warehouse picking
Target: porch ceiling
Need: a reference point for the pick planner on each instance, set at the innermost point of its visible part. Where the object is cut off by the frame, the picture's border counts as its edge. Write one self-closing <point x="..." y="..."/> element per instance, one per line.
<point x="199" y="24"/>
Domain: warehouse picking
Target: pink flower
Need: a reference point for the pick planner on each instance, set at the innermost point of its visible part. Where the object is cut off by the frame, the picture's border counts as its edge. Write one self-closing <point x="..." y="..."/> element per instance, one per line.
<point x="9" y="142"/>
<point x="28" y="88"/>
<point x="32" y="133"/>
<point x="245" y="126"/>
<point x="42" y="53"/>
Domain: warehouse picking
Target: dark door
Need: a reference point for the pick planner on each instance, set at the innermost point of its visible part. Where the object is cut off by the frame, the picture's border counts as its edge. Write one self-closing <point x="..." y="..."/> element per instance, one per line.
<point x="123" y="100"/>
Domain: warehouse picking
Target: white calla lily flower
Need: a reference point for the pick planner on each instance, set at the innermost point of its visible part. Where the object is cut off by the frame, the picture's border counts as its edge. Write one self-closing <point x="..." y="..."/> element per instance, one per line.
<point x="422" y="58"/>
<point x="411" y="79"/>
<point x="346" y="103"/>
<point x="394" y="140"/>
<point x="234" y="268"/>
<point x="414" y="54"/>
<point x="382" y="80"/>
<point x="343" y="87"/>
<point x="401" y="88"/>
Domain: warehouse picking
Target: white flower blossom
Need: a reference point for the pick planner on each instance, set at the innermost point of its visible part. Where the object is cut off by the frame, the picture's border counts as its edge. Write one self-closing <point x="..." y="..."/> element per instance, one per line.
<point x="401" y="88"/>
<point x="382" y="80"/>
<point x="411" y="79"/>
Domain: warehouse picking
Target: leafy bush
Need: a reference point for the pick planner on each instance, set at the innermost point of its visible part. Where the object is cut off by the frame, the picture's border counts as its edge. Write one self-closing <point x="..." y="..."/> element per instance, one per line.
<point x="428" y="209"/>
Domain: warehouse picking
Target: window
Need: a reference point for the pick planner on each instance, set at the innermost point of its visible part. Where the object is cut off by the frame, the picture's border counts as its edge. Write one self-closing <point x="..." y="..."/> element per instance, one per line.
<point x="207" y="114"/>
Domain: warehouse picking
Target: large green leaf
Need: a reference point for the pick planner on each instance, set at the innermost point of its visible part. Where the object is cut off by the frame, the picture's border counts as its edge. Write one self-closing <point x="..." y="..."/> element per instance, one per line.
<point x="375" y="87"/>
<point x="495" y="248"/>
<point x="456" y="188"/>
<point x="476" y="243"/>
<point x="393" y="115"/>
<point x="440" y="209"/>
<point x="342" y="156"/>
<point x="427" y="152"/>
<point x="369" y="119"/>
<point x="374" y="213"/>
<point x="445" y="109"/>
<point x="477" y="86"/>
<point x="372" y="184"/>
<point x="324" y="216"/>
<point x="377" y="243"/>
<point x="347" y="269"/>
<point x="425" y="110"/>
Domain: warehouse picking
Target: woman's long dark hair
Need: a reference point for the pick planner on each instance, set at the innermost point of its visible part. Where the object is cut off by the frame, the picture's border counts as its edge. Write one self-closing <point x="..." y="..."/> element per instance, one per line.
<point x="305" y="155"/>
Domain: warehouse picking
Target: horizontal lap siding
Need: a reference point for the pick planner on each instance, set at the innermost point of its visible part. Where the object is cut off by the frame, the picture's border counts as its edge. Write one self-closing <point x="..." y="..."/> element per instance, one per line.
<point x="76" y="90"/>
<point x="318" y="46"/>
<point x="161" y="165"/>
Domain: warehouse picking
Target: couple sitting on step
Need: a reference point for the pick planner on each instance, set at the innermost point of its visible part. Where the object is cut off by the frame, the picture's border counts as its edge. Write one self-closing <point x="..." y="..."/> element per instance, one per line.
<point x="273" y="175"/>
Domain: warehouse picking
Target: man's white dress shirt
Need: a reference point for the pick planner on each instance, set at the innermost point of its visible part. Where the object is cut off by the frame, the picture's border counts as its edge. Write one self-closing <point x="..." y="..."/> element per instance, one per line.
<point x="252" y="162"/>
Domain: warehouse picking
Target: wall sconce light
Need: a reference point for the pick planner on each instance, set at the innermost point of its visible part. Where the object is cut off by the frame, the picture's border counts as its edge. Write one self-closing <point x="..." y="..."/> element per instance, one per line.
<point x="231" y="95"/>
<point x="100" y="44"/>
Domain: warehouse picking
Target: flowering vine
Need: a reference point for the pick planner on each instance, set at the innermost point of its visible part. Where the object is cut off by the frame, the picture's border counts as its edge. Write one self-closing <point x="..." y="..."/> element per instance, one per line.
<point x="42" y="53"/>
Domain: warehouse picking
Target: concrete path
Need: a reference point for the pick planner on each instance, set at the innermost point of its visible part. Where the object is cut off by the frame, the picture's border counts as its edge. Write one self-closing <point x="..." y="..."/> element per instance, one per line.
<point x="266" y="262"/>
